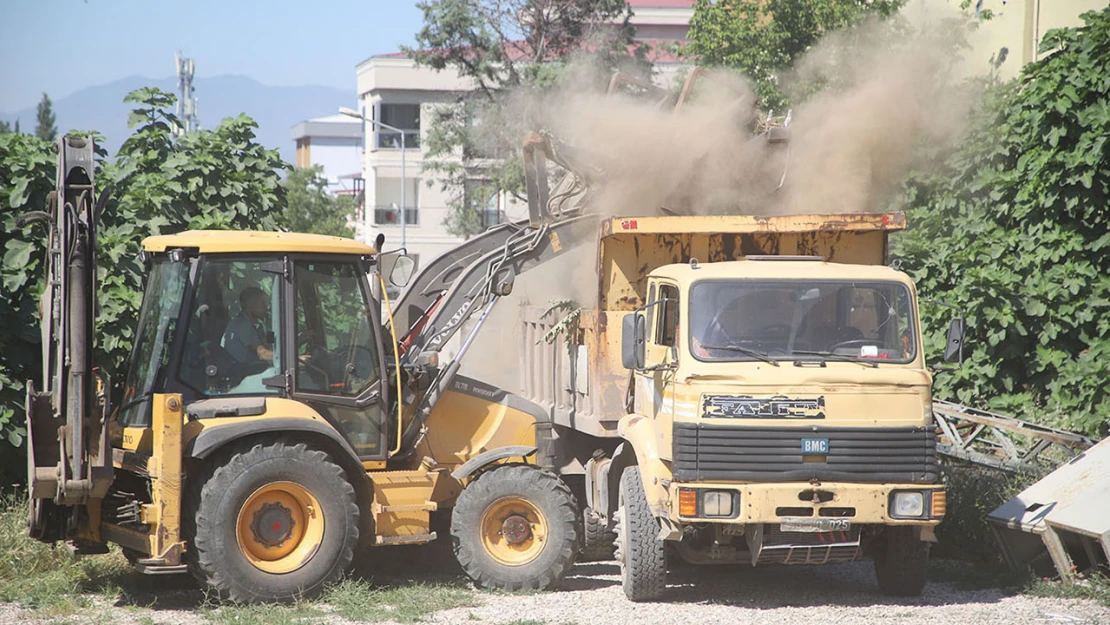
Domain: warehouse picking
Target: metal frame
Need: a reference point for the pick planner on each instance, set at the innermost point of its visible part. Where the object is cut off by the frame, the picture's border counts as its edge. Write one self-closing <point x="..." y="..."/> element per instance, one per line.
<point x="1002" y="442"/>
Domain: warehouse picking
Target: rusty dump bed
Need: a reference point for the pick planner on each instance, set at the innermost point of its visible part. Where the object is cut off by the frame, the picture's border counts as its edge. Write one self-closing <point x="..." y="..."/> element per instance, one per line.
<point x="584" y="384"/>
<point x="630" y="248"/>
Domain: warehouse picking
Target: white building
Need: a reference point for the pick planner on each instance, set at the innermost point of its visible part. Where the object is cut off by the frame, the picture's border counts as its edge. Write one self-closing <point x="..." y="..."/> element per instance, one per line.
<point x="393" y="90"/>
<point x="335" y="143"/>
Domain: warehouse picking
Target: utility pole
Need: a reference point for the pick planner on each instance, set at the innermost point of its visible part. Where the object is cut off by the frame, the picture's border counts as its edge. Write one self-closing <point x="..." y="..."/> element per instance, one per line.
<point x="186" y="101"/>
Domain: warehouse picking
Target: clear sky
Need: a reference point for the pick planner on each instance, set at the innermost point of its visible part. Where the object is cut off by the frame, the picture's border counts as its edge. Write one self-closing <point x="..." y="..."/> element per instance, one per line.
<point x="60" y="46"/>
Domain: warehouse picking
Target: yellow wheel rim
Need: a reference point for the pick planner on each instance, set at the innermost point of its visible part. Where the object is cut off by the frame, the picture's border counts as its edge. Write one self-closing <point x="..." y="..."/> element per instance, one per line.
<point x="514" y="531"/>
<point x="280" y="527"/>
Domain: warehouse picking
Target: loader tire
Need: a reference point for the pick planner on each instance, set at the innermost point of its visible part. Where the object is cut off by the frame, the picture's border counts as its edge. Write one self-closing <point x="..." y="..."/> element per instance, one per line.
<point x="273" y="521"/>
<point x="640" y="551"/>
<point x="597" y="538"/>
<point x="901" y="562"/>
<point x="515" y="528"/>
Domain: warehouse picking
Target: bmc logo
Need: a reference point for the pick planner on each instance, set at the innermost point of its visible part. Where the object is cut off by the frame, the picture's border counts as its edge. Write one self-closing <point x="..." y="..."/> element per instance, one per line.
<point x="628" y="224"/>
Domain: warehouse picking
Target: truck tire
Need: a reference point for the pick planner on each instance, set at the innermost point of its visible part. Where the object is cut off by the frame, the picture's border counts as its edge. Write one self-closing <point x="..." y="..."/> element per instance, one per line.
<point x="640" y="552"/>
<point x="515" y="528"/>
<point x="270" y="522"/>
<point x="901" y="562"/>
<point x="597" y="539"/>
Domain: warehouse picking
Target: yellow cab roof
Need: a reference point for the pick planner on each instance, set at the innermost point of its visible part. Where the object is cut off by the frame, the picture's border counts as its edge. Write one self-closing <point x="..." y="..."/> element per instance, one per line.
<point x="779" y="268"/>
<point x="229" y="241"/>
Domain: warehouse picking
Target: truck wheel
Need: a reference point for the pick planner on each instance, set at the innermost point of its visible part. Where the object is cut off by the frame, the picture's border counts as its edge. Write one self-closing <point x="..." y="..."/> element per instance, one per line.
<point x="513" y="528"/>
<point x="597" y="539"/>
<point x="901" y="562"/>
<point x="640" y="552"/>
<point x="271" y="522"/>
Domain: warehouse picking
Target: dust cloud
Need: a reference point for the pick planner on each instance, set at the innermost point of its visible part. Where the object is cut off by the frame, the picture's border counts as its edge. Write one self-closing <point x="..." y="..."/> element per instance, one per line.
<point x="882" y="96"/>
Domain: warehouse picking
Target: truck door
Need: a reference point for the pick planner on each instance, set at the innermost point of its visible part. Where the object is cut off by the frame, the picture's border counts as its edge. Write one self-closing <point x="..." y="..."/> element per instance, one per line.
<point x="654" y="391"/>
<point x="339" y="369"/>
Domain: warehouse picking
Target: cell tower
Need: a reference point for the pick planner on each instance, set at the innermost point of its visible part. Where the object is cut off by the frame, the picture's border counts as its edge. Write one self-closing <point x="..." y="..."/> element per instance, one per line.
<point x="186" y="101"/>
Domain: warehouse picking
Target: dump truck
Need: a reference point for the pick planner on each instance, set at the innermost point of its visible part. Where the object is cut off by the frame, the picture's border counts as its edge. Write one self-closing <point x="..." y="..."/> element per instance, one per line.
<point x="746" y="390"/>
<point x="269" y="423"/>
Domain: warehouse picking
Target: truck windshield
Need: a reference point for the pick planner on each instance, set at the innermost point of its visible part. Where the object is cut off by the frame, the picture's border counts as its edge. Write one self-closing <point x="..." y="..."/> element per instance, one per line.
<point x="164" y="290"/>
<point x="742" y="320"/>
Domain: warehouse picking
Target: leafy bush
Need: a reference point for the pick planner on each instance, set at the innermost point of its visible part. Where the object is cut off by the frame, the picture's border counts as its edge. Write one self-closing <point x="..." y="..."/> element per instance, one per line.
<point x="1016" y="230"/>
<point x="159" y="184"/>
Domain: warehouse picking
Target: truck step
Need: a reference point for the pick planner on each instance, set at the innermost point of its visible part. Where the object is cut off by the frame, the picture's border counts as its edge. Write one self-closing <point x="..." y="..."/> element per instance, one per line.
<point x="427" y="506"/>
<point x="411" y="539"/>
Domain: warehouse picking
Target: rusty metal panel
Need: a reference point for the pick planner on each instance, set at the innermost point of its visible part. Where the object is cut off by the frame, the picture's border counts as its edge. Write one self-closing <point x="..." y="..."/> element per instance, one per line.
<point x="1068" y="510"/>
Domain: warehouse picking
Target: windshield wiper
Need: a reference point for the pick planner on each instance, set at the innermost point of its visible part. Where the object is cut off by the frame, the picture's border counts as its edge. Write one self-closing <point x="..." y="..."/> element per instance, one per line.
<point x="838" y="357"/>
<point x="754" y="353"/>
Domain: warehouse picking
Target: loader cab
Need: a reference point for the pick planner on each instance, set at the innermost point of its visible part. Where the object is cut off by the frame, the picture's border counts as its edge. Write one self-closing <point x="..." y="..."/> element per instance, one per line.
<point x="233" y="321"/>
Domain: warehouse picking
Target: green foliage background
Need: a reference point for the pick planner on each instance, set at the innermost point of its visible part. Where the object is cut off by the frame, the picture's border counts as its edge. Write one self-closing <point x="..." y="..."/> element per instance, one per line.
<point x="764" y="38"/>
<point x="159" y="184"/>
<point x="312" y="209"/>
<point x="1015" y="228"/>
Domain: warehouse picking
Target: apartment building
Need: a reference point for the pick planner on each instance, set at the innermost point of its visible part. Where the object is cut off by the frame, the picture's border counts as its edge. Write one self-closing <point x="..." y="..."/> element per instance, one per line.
<point x="334" y="143"/>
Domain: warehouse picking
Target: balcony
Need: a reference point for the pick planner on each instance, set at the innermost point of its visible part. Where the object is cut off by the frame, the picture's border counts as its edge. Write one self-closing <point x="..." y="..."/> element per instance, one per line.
<point x="391" y="216"/>
<point x="389" y="140"/>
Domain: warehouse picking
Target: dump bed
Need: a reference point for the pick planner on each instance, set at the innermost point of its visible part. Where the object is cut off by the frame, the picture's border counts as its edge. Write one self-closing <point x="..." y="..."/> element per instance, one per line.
<point x="584" y="384"/>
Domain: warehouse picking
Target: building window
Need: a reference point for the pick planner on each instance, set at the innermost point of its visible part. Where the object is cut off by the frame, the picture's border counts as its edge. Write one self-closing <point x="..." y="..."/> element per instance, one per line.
<point x="405" y="117"/>
<point x="482" y="198"/>
<point x="391" y="216"/>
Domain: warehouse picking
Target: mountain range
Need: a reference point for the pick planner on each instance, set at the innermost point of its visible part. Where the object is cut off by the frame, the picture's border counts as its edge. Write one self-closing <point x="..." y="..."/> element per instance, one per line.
<point x="276" y="109"/>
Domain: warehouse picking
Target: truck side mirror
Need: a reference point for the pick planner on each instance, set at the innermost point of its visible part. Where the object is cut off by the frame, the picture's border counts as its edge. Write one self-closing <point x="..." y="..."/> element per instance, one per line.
<point x="633" y="331"/>
<point x="402" y="271"/>
<point x="954" y="344"/>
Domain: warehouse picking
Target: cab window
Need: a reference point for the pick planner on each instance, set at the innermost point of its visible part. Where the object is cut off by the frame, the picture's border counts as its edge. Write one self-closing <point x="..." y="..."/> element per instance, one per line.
<point x="336" y="349"/>
<point x="233" y="340"/>
<point x="667" y="325"/>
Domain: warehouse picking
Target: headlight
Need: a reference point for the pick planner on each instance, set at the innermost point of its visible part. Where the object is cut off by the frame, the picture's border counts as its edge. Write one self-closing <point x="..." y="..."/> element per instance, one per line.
<point x="717" y="503"/>
<point x="907" y="504"/>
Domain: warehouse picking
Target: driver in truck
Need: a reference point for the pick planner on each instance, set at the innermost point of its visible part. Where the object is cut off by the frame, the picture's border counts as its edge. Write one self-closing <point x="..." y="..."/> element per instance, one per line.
<point x="245" y="336"/>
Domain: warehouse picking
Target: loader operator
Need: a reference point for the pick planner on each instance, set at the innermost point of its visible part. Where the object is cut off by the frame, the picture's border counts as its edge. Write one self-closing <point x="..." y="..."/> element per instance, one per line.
<point x="245" y="336"/>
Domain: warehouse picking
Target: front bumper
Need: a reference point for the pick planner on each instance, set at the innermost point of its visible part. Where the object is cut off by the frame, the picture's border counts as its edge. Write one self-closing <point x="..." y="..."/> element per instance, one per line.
<point x="771" y="503"/>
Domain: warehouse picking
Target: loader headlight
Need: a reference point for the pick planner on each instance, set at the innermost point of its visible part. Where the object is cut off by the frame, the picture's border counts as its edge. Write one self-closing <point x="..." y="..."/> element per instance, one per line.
<point x="907" y="504"/>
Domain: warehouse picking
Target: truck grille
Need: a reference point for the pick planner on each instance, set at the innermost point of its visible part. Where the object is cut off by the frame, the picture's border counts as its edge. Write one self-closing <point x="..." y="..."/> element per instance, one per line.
<point x="762" y="454"/>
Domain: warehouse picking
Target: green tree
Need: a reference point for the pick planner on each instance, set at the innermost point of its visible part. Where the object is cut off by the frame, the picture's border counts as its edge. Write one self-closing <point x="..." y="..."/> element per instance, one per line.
<point x="5" y="127"/>
<point x="46" y="129"/>
<point x="508" y="48"/>
<point x="219" y="178"/>
<point x="312" y="209"/>
<point x="1016" y="230"/>
<point x="763" y="38"/>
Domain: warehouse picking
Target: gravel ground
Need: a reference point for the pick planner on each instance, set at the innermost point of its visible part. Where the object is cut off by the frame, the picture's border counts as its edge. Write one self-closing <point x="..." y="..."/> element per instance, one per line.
<point x="591" y="594"/>
<point x="844" y="594"/>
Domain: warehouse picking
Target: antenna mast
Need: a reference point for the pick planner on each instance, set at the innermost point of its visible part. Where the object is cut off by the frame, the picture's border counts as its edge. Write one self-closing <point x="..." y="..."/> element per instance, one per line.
<point x="186" y="101"/>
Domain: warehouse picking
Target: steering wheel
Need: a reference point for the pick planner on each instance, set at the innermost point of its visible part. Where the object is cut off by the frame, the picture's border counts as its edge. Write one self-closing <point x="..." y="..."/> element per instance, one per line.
<point x="854" y="343"/>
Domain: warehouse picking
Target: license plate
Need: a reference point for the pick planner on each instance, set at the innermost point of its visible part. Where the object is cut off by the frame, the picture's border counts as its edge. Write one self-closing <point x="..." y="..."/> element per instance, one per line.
<point x="804" y="524"/>
<point x="815" y="446"/>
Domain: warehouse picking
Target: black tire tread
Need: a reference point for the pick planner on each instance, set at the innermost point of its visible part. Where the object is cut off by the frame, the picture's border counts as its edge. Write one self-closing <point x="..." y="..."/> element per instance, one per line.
<point x="643" y="558"/>
<point x="200" y="523"/>
<point x="597" y="538"/>
<point x="471" y="504"/>
<point x="901" y="564"/>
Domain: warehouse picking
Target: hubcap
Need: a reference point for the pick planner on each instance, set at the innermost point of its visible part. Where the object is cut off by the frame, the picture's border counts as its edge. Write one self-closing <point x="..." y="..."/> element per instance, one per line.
<point x="273" y="524"/>
<point x="280" y="527"/>
<point x="516" y="530"/>
<point x="513" y="531"/>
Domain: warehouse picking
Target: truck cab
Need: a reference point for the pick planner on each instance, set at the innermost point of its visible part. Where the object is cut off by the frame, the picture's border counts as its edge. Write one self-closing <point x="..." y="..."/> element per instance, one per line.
<point x="782" y="407"/>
